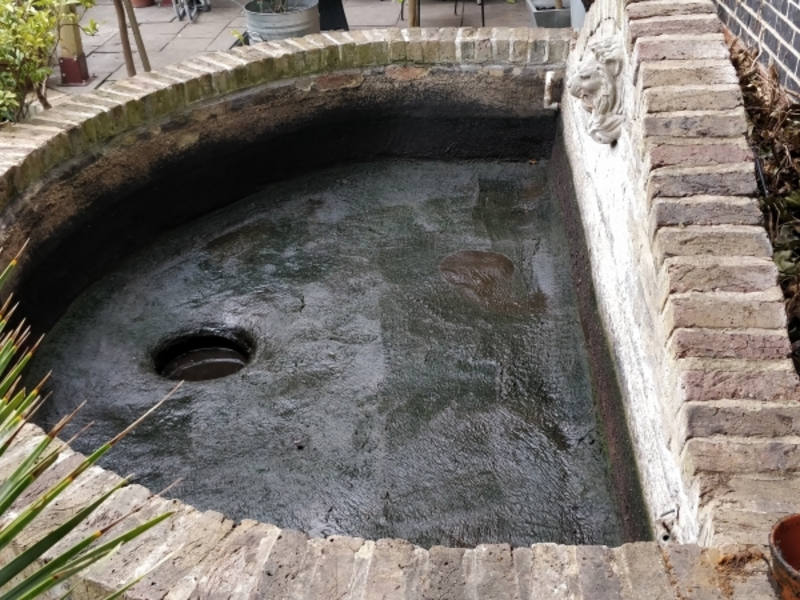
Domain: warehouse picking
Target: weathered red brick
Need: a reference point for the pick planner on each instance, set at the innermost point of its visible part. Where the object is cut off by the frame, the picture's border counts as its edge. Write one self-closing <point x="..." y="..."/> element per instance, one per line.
<point x="672" y="151"/>
<point x="737" y="179"/>
<point x="672" y="98"/>
<point x="664" y="8"/>
<point x="705" y="210"/>
<point x="721" y="310"/>
<point x="724" y="273"/>
<point x="756" y="344"/>
<point x="677" y="24"/>
<point x="730" y="379"/>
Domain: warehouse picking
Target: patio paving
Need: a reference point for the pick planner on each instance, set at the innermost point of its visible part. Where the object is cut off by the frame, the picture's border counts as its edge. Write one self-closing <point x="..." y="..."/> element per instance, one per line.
<point x="170" y="41"/>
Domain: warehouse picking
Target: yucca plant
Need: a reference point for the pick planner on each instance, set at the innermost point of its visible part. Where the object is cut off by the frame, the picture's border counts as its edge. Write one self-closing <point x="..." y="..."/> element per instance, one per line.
<point x="28" y="576"/>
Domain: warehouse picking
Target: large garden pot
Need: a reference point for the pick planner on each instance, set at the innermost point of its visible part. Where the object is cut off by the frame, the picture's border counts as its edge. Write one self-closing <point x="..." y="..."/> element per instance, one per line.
<point x="263" y="24"/>
<point x="545" y="14"/>
<point x="784" y="545"/>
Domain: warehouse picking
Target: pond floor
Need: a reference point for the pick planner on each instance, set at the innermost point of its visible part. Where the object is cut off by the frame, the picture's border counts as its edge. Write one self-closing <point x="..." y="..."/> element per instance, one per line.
<point x="416" y="364"/>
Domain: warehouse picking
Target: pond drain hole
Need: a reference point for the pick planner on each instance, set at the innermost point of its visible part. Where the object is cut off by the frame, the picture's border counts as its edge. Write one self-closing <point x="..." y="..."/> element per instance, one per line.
<point x="203" y="355"/>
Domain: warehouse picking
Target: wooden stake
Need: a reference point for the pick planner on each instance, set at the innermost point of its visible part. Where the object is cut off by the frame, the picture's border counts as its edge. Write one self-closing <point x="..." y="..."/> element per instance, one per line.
<point x="413" y="21"/>
<point x="123" y="38"/>
<point x="138" y="36"/>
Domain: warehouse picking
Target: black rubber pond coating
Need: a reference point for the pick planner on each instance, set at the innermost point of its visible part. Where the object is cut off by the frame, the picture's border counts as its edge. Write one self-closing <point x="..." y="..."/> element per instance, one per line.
<point x="420" y="370"/>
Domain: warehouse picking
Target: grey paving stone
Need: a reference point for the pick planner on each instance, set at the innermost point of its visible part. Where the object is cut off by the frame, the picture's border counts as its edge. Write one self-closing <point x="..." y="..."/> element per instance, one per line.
<point x="232" y="570"/>
<point x="12" y="457"/>
<point x="362" y="561"/>
<point x="121" y="503"/>
<point x="203" y="535"/>
<point x="281" y="569"/>
<point x="141" y="554"/>
<point x="395" y="570"/>
<point x="693" y="577"/>
<point x="595" y="573"/>
<point x="75" y="497"/>
<point x="334" y="569"/>
<point x="68" y="461"/>
<point x="642" y="572"/>
<point x="732" y="525"/>
<point x="743" y="571"/>
<point x="490" y="573"/>
<point x="523" y="564"/>
<point x="443" y="579"/>
<point x="555" y="573"/>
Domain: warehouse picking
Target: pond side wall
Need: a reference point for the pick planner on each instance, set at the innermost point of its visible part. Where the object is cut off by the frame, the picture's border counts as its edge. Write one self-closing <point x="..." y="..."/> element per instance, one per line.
<point x="683" y="272"/>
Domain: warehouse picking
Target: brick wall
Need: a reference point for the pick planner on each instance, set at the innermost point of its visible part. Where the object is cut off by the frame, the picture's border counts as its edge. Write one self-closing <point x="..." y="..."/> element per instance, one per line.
<point x="772" y="25"/>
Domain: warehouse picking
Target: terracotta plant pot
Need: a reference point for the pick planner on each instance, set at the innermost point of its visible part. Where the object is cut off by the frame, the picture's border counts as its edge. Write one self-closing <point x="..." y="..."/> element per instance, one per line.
<point x="784" y="544"/>
<point x="142" y="3"/>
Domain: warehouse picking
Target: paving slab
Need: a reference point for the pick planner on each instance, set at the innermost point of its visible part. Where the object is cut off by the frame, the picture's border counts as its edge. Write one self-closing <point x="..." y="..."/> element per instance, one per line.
<point x="169" y="41"/>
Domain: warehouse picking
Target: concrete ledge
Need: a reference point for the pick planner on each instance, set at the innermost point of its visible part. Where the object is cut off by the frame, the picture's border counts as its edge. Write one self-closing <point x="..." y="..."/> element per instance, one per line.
<point x="65" y="133"/>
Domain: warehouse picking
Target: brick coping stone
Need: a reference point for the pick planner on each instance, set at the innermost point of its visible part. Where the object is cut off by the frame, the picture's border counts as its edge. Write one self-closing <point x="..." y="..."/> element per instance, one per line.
<point x="210" y="556"/>
<point x="728" y="382"/>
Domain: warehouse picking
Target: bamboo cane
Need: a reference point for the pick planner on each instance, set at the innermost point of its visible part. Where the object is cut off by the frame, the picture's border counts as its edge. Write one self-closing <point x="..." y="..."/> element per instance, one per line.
<point x="123" y="38"/>
<point x="137" y="35"/>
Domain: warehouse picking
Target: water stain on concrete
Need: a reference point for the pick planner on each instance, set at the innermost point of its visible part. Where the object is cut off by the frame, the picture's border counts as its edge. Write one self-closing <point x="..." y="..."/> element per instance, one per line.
<point x="486" y="278"/>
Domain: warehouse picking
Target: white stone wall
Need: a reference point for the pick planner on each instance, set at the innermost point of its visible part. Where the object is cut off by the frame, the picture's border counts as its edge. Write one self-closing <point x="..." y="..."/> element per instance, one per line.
<point x="610" y="193"/>
<point x="684" y="276"/>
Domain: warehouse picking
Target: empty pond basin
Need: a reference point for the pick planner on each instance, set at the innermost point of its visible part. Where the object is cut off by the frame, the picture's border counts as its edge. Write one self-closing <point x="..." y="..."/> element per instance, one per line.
<point x="401" y="357"/>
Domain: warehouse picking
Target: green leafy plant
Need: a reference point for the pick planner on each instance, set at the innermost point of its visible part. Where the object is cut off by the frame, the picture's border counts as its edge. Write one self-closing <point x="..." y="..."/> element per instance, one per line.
<point x="29" y="32"/>
<point x="27" y="576"/>
<point x="273" y="6"/>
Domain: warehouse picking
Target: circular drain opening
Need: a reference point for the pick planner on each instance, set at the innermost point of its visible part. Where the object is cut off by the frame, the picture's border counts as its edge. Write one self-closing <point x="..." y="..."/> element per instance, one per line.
<point x="203" y="356"/>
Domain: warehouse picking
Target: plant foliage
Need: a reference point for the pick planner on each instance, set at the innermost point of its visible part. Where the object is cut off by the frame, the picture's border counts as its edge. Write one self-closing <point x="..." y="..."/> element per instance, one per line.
<point x="774" y="132"/>
<point x="29" y="31"/>
<point x="27" y="576"/>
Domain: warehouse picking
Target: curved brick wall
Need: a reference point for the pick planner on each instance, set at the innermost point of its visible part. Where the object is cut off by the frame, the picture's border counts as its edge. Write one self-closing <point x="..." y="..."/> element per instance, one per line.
<point x="703" y="359"/>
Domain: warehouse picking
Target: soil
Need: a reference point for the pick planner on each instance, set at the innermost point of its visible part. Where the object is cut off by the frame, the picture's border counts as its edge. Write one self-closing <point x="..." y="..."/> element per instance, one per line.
<point x="774" y="134"/>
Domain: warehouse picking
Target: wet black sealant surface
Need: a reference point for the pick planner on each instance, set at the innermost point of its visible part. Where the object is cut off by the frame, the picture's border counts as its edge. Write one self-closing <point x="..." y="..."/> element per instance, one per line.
<point x="418" y="368"/>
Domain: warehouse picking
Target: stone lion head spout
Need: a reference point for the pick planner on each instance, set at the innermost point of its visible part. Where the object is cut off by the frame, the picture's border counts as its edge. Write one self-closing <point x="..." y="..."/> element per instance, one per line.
<point x="595" y="85"/>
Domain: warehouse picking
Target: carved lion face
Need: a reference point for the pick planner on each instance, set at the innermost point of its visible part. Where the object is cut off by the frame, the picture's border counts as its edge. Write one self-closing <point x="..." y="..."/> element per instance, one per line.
<point x="593" y="84"/>
<point x="588" y="82"/>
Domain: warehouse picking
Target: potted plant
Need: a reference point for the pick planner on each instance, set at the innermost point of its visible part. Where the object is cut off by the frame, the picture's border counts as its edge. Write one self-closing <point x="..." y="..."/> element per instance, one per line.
<point x="550" y="13"/>
<point x="278" y="19"/>
<point x="29" y="36"/>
